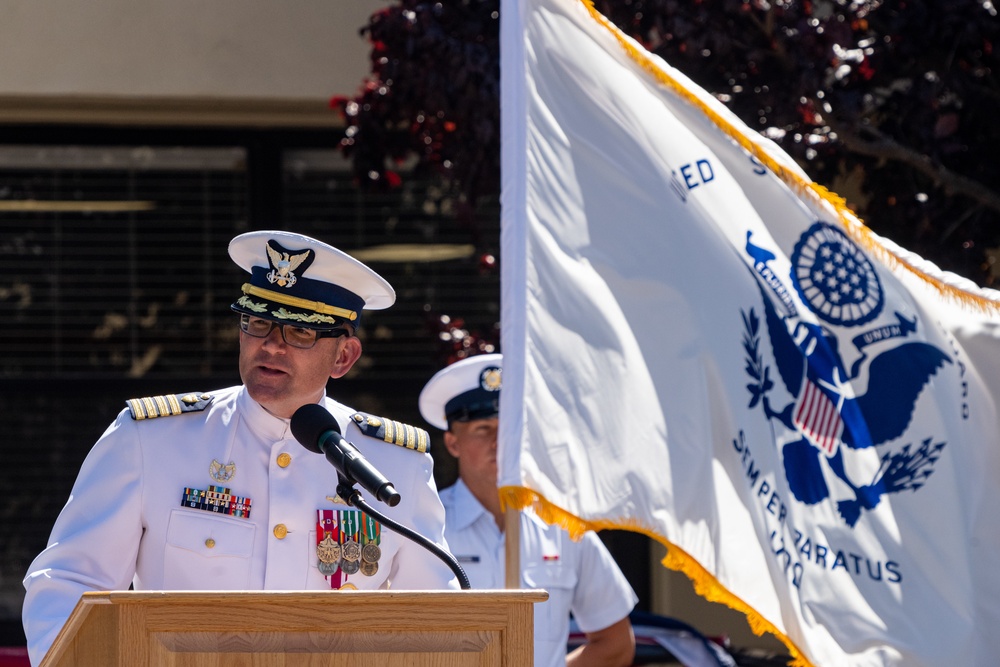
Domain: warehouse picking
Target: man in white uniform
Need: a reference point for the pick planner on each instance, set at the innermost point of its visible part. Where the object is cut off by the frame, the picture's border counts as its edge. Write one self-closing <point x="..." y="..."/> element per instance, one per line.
<point x="211" y="491"/>
<point x="580" y="577"/>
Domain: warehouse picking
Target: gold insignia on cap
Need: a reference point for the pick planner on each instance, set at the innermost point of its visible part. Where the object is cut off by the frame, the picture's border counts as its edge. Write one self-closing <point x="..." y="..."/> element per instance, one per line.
<point x="284" y="265"/>
<point x="314" y="318"/>
<point x="490" y="379"/>
<point x="296" y="302"/>
<point x="250" y="305"/>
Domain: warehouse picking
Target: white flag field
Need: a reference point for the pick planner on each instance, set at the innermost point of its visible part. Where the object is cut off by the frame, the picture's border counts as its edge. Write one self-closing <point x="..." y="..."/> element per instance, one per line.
<point x="702" y="345"/>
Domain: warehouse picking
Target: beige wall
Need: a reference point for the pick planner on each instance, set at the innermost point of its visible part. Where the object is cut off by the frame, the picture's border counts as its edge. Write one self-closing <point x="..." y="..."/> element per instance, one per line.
<point x="274" y="56"/>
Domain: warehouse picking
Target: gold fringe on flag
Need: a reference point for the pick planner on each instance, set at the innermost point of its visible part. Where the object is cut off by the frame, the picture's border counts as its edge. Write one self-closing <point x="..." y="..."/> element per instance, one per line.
<point x="705" y="584"/>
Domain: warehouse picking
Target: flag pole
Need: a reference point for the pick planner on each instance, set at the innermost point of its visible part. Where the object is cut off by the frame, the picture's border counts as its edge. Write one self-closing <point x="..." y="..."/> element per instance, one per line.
<point x="512" y="546"/>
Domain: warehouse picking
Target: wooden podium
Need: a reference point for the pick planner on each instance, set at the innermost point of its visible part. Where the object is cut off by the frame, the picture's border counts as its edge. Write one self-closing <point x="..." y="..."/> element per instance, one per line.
<point x="299" y="629"/>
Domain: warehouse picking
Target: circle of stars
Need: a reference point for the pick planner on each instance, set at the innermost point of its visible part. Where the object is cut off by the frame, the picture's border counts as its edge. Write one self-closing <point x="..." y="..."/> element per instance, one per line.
<point x="838" y="275"/>
<point x="835" y="278"/>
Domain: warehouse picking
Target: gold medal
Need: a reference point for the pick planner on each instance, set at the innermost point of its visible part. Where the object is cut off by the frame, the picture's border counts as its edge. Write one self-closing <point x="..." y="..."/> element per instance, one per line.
<point x="328" y="551"/>
<point x="351" y="552"/>
<point x="349" y="528"/>
<point x="370" y="553"/>
<point x="348" y="587"/>
<point x="371" y="535"/>
<point x="369" y="568"/>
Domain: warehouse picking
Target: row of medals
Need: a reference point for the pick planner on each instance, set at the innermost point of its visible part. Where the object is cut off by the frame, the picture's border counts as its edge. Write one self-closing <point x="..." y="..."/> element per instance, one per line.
<point x="350" y="557"/>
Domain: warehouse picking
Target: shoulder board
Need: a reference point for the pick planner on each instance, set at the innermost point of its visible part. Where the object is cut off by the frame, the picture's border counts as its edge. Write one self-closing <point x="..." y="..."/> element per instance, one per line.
<point x="394" y="432"/>
<point x="151" y="407"/>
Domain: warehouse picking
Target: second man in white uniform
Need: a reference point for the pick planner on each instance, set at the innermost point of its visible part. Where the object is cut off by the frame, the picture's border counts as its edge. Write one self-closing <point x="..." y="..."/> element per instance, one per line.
<point x="581" y="577"/>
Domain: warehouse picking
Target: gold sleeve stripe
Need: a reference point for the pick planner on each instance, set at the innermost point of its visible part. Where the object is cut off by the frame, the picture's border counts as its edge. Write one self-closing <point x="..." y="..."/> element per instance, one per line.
<point x="161" y="405"/>
<point x="137" y="411"/>
<point x="407" y="436"/>
<point x="394" y="432"/>
<point x="167" y="405"/>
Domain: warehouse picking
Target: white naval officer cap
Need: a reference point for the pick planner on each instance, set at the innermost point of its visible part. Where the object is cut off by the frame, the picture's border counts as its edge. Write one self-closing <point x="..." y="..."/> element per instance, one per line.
<point x="465" y="390"/>
<point x="297" y="279"/>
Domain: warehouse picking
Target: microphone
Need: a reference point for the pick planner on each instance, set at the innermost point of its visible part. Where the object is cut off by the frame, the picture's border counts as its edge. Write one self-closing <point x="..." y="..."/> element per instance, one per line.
<point x="316" y="430"/>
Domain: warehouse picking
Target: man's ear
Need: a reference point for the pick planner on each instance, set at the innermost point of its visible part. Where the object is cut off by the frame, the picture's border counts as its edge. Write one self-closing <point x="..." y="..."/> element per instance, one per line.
<point x="348" y="354"/>
<point x="451" y="443"/>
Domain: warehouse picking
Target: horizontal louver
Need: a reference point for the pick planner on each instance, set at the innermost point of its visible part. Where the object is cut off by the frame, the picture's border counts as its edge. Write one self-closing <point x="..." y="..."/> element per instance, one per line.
<point x="119" y="294"/>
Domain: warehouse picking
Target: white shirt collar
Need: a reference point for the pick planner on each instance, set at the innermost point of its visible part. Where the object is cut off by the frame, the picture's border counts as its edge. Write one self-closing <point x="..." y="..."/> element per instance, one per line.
<point x="260" y="421"/>
<point x="467" y="509"/>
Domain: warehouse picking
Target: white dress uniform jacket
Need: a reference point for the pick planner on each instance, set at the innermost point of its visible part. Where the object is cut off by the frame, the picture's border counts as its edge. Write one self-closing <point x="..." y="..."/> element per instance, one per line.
<point x="125" y="522"/>
<point x="580" y="577"/>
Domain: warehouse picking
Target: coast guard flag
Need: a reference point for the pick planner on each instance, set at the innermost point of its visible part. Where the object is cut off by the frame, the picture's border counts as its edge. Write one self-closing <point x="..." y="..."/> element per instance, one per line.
<point x="702" y="345"/>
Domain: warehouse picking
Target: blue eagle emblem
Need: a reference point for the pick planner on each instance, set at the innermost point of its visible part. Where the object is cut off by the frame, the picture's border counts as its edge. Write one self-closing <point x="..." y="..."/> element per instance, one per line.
<point x="838" y="283"/>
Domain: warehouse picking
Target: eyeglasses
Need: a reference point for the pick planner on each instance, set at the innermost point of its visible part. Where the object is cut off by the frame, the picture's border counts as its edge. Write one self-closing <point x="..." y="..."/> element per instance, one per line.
<point x="300" y="337"/>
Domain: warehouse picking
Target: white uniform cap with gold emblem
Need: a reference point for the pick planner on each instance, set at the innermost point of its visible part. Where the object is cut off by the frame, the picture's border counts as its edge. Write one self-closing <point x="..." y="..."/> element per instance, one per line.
<point x="296" y="279"/>
<point x="465" y="390"/>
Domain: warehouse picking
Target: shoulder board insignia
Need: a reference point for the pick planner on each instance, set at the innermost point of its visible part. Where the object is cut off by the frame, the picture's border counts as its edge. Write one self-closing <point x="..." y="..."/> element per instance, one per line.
<point x="151" y="407"/>
<point x="394" y="432"/>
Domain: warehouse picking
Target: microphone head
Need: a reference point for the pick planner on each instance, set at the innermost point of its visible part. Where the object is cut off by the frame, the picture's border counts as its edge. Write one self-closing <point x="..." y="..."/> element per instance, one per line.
<point x="309" y="423"/>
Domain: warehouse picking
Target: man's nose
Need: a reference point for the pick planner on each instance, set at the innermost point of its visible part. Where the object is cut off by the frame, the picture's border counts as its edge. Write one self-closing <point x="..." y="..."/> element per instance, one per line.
<point x="274" y="339"/>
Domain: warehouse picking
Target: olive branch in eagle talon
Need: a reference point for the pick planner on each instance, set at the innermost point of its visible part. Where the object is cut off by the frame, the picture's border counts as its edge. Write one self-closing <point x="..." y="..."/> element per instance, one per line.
<point x="755" y="367"/>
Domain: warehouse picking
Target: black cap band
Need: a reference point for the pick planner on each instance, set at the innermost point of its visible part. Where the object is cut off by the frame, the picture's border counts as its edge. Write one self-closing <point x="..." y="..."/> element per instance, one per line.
<point x="473" y="404"/>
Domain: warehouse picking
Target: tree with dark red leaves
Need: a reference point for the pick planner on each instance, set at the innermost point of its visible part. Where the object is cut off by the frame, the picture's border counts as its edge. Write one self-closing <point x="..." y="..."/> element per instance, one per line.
<point x="893" y="105"/>
<point x="434" y="93"/>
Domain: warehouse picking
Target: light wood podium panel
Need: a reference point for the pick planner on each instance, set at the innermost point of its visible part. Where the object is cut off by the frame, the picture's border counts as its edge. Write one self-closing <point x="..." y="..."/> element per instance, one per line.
<point x="299" y="629"/>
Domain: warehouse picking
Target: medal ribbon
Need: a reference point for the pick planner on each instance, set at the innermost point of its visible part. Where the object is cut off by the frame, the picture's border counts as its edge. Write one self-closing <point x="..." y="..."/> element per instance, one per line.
<point x="350" y="523"/>
<point x="326" y="524"/>
<point x="348" y="527"/>
<point x="373" y="529"/>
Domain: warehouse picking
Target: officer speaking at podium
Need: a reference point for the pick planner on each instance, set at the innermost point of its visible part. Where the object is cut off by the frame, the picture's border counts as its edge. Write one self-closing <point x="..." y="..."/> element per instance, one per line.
<point x="211" y="491"/>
